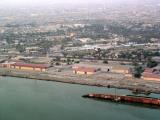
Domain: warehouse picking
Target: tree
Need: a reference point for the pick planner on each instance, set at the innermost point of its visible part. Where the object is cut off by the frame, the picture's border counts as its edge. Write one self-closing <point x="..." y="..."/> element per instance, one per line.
<point x="68" y="61"/>
<point x="138" y="70"/>
<point x="151" y="64"/>
<point x="76" y="62"/>
<point x="99" y="53"/>
<point x="20" y="48"/>
<point x="45" y="45"/>
<point x="105" y="62"/>
<point x="57" y="63"/>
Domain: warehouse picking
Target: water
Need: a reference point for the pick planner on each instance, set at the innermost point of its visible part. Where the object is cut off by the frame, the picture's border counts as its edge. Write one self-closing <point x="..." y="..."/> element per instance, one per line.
<point x="25" y="99"/>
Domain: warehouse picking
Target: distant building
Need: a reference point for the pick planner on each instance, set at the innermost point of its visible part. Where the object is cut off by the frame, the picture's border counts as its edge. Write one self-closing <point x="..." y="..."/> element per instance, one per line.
<point x="32" y="50"/>
<point x="6" y="64"/>
<point x="31" y="67"/>
<point x="157" y="59"/>
<point x="113" y="68"/>
<point x="121" y="69"/>
<point x="152" y="74"/>
<point x="26" y="66"/>
<point x="55" y="55"/>
<point x="85" y="40"/>
<point x="84" y="70"/>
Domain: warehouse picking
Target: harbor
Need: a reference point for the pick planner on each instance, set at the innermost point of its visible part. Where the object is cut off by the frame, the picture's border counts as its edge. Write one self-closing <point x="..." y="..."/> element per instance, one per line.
<point x="24" y="99"/>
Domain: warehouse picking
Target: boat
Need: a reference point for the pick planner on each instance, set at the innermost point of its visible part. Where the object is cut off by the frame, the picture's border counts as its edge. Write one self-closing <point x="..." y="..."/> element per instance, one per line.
<point x="125" y="98"/>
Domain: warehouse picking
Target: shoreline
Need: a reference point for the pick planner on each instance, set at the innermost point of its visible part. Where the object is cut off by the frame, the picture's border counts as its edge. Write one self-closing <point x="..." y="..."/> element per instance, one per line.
<point x="143" y="86"/>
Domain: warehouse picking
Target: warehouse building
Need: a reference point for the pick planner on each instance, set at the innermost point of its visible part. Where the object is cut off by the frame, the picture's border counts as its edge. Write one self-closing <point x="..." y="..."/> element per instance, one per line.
<point x="151" y="74"/>
<point x="121" y="69"/>
<point x="26" y="66"/>
<point x="30" y="67"/>
<point x="84" y="70"/>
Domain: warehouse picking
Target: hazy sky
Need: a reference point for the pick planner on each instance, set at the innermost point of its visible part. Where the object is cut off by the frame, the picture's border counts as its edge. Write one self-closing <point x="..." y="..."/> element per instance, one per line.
<point x="43" y="2"/>
<point x="20" y="2"/>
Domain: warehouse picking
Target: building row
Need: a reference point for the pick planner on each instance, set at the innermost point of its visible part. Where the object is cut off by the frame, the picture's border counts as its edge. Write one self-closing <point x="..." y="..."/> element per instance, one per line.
<point x="152" y="74"/>
<point x="92" y="69"/>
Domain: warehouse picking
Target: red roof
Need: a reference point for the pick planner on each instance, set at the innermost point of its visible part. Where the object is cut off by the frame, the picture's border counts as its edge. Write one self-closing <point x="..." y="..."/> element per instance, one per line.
<point x="150" y="73"/>
<point x="30" y="65"/>
<point x="85" y="69"/>
<point x="148" y="70"/>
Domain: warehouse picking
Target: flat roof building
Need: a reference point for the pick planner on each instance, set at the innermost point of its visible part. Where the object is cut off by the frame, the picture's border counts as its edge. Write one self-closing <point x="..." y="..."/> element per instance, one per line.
<point x="27" y="66"/>
<point x="84" y="70"/>
<point x="151" y="74"/>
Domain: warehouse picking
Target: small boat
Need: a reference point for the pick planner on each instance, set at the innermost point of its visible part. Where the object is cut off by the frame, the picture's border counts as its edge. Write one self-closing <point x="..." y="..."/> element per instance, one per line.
<point x="125" y="98"/>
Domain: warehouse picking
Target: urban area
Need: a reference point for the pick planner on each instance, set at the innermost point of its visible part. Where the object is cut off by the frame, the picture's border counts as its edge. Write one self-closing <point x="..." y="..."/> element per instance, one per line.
<point x="97" y="45"/>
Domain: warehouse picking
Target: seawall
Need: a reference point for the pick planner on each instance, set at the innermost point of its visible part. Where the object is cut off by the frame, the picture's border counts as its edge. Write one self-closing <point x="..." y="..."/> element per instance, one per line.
<point x="148" y="86"/>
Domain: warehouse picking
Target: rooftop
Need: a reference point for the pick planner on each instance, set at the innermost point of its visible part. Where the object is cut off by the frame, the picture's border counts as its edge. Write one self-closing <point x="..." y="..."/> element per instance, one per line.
<point x="31" y="65"/>
<point x="85" y="69"/>
<point x="152" y="72"/>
